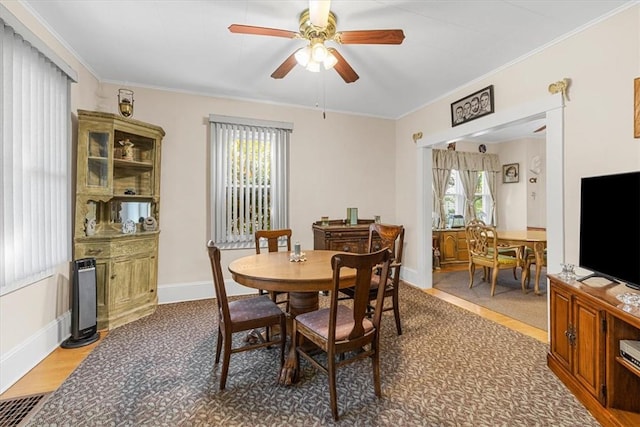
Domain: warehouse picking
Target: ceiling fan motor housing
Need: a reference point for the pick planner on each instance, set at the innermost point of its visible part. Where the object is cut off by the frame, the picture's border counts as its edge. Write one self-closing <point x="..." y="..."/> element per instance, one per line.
<point x="311" y="32"/>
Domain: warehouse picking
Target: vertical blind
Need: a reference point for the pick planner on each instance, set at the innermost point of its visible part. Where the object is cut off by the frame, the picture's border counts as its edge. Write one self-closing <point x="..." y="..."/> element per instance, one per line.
<point x="35" y="218"/>
<point x="249" y="178"/>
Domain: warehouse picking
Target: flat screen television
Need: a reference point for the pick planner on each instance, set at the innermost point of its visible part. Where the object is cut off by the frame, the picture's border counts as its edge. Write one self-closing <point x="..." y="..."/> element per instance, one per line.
<point x="610" y="227"/>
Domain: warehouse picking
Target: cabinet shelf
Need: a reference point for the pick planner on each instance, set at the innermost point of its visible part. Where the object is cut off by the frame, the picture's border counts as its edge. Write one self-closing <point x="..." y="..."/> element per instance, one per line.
<point x="135" y="197"/>
<point x="630" y="366"/>
<point x="98" y="159"/>
<point x="131" y="164"/>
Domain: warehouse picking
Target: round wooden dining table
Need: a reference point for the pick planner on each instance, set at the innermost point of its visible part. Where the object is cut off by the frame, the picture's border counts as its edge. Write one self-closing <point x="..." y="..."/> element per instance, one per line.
<point x="274" y="271"/>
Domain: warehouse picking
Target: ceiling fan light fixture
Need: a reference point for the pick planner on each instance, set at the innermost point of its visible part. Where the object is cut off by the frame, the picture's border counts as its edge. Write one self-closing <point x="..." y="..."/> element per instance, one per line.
<point x="303" y="56"/>
<point x="318" y="52"/>
<point x="313" y="66"/>
<point x="330" y="61"/>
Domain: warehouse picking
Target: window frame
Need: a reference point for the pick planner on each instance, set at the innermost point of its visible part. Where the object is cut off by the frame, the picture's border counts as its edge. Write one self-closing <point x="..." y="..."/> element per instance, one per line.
<point x="225" y="208"/>
<point x="35" y="178"/>
<point x="458" y="196"/>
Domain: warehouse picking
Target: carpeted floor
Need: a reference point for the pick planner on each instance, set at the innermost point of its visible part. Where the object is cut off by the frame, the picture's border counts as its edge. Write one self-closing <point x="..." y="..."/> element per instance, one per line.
<point x="449" y="368"/>
<point x="508" y="299"/>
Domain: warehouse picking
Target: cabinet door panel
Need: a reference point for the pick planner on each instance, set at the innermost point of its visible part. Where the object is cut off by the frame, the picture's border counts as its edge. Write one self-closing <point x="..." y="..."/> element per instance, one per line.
<point x="588" y="367"/>
<point x="449" y="247"/>
<point x="463" y="249"/>
<point x="134" y="277"/>
<point x="560" y="321"/>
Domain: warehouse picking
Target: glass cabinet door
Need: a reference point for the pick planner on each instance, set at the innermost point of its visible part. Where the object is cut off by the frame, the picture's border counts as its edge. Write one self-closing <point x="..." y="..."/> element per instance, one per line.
<point x="98" y="160"/>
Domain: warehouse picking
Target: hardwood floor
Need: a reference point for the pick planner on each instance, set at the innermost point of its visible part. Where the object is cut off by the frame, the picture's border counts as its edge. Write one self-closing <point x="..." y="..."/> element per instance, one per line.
<point x="49" y="374"/>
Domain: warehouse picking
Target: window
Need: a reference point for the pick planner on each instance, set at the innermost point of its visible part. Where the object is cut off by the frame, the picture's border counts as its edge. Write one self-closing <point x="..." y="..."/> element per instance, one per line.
<point x="35" y="212"/>
<point x="249" y="178"/>
<point x="483" y="202"/>
<point x="454" y="199"/>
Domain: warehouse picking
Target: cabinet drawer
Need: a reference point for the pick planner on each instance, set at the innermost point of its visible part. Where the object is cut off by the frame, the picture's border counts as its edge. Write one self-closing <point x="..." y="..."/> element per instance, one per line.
<point x="345" y="246"/>
<point x="118" y="247"/>
<point x="347" y="235"/>
<point x="92" y="250"/>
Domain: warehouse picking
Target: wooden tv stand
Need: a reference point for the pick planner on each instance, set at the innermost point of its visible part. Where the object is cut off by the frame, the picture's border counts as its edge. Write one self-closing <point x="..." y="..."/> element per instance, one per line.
<point x="587" y="324"/>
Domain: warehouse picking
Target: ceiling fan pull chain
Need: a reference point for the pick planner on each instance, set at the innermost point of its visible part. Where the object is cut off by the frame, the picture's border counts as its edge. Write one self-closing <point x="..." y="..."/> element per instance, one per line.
<point x="324" y="96"/>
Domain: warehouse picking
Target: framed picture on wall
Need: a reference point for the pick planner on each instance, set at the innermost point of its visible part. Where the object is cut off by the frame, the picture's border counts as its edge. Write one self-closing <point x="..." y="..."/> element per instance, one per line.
<point x="511" y="173"/>
<point x="471" y="107"/>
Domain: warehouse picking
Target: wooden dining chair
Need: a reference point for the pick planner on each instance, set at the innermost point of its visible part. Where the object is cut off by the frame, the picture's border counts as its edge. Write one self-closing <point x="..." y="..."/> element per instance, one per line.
<point x="507" y="250"/>
<point x="242" y="315"/>
<point x="391" y="237"/>
<point x="344" y="330"/>
<point x="273" y="238"/>
<point x="482" y="241"/>
<point x="529" y="258"/>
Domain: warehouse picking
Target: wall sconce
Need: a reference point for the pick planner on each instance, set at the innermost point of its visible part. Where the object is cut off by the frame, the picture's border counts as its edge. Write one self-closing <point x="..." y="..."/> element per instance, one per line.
<point x="125" y="102"/>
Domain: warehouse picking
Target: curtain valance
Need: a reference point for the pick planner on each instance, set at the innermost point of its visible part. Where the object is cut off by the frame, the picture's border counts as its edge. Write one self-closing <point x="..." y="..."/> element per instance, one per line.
<point x="465" y="161"/>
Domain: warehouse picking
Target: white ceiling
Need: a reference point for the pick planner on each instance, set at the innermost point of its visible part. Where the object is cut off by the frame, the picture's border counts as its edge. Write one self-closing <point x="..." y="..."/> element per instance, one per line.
<point x="186" y="46"/>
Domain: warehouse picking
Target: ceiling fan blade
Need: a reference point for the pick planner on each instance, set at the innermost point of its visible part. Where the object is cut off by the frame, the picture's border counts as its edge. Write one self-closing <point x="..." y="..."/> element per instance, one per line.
<point x="262" y="31"/>
<point x="285" y="67"/>
<point x="343" y="68"/>
<point x="370" y="37"/>
<point x="319" y="12"/>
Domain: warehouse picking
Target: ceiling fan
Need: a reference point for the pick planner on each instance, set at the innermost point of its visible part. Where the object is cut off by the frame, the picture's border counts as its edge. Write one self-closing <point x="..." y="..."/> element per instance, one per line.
<point x="317" y="26"/>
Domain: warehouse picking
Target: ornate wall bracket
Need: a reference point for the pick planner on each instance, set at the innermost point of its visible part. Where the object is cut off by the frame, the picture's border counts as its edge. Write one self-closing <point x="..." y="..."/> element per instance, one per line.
<point x="561" y="86"/>
<point x="417" y="136"/>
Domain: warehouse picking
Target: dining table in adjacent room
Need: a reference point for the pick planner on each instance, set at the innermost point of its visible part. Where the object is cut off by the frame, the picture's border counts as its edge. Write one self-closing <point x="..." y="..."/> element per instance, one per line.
<point x="303" y="280"/>
<point x="536" y="240"/>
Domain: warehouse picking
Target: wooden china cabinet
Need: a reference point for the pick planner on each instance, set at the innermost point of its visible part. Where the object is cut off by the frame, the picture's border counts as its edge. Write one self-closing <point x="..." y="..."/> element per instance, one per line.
<point x="117" y="209"/>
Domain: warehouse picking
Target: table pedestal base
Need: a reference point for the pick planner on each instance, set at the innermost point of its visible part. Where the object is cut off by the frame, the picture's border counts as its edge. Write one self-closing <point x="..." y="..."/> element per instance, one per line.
<point x="299" y="302"/>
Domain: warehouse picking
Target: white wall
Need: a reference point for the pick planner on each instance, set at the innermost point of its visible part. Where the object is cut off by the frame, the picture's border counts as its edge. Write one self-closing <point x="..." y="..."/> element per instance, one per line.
<point x="335" y="163"/>
<point x="534" y="175"/>
<point x="602" y="62"/>
<point x="512" y="197"/>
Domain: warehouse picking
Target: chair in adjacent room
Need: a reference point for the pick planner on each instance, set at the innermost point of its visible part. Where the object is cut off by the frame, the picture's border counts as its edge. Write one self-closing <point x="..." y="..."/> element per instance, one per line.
<point x="273" y="238"/>
<point x="343" y="332"/>
<point x="392" y="237"/>
<point x="242" y="315"/>
<point x="504" y="250"/>
<point x="482" y="241"/>
<point x="529" y="258"/>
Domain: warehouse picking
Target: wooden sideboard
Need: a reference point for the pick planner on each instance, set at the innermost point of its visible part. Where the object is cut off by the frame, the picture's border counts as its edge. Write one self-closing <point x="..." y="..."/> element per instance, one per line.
<point x="452" y="245"/>
<point x="587" y="324"/>
<point x="339" y="236"/>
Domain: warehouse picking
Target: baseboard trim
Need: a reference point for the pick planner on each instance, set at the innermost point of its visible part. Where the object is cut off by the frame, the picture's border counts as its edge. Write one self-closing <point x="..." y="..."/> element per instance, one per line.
<point x="180" y="292"/>
<point x="26" y="355"/>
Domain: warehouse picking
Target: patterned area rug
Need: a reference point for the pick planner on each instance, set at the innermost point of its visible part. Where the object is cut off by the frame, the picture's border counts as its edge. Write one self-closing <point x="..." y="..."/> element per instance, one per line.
<point x="449" y="368"/>
<point x="508" y="299"/>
